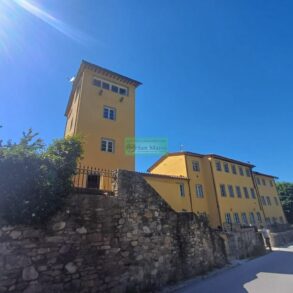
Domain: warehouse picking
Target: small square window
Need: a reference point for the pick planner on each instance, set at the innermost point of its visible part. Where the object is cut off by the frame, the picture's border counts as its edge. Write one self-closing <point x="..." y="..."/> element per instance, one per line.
<point x="195" y="166"/>
<point x="97" y="82"/>
<point x="109" y="113"/>
<point x="105" y="86"/>
<point x="122" y="92"/>
<point x="107" y="145"/>
<point x="114" y="88"/>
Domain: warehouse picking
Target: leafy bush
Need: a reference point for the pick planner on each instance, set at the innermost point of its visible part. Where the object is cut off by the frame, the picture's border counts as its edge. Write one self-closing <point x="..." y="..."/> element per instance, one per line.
<point x="34" y="181"/>
<point x="285" y="190"/>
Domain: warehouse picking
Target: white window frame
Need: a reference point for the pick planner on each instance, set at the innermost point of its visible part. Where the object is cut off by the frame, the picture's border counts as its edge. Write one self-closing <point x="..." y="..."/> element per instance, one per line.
<point x="244" y="218"/>
<point x="231" y="191"/>
<point x="195" y="166"/>
<point x="108" y="142"/>
<point x="236" y="218"/>
<point x="109" y="109"/>
<point x="199" y="190"/>
<point x="228" y="218"/>
<point x="181" y="189"/>
<point x="223" y="190"/>
<point x="111" y="85"/>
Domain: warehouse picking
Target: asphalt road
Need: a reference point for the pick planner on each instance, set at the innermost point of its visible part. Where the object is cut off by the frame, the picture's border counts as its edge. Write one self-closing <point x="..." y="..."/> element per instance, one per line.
<point x="270" y="273"/>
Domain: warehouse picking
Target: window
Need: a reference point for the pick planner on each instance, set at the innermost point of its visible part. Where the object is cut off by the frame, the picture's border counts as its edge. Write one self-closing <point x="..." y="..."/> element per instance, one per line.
<point x="107" y="145"/>
<point x="252" y="219"/>
<point x="236" y="218"/>
<point x="122" y="91"/>
<point x="109" y="113"/>
<point x="223" y="190"/>
<point x="238" y="191"/>
<point x="226" y="167"/>
<point x="195" y="166"/>
<point x="199" y="190"/>
<point x="274" y="220"/>
<point x="263" y="182"/>
<point x="263" y="200"/>
<point x="252" y="191"/>
<point x="259" y="217"/>
<point x="233" y="167"/>
<point x="258" y="181"/>
<point x="105" y="86"/>
<point x="245" y="190"/>
<point x="241" y="171"/>
<point x="269" y="201"/>
<point x="244" y="218"/>
<point x="114" y="88"/>
<point x="97" y="82"/>
<point x="276" y="201"/>
<point x="271" y="183"/>
<point x="218" y="166"/>
<point x="181" y="189"/>
<point x="228" y="218"/>
<point x="231" y="190"/>
<point x="247" y="171"/>
<point x="109" y="86"/>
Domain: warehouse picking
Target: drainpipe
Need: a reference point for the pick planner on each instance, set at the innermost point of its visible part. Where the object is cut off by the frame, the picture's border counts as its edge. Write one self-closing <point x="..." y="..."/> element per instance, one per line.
<point x="214" y="184"/>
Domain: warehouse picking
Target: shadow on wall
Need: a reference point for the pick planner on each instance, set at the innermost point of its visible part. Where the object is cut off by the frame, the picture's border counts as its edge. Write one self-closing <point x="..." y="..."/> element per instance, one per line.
<point x="256" y="275"/>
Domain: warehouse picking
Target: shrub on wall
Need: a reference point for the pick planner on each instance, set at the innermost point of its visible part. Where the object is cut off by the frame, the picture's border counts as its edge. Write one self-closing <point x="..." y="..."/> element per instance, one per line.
<point x="34" y="181"/>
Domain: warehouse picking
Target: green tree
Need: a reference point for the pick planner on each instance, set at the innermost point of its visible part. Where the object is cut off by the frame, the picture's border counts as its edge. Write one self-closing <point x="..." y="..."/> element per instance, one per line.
<point x="285" y="190"/>
<point x="34" y="181"/>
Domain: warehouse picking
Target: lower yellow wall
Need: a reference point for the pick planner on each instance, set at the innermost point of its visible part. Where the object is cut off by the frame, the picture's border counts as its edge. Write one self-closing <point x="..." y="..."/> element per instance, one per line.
<point x="169" y="190"/>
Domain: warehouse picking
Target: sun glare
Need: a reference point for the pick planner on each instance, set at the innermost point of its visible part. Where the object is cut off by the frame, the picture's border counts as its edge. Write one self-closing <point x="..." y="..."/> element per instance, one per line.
<point x="12" y="11"/>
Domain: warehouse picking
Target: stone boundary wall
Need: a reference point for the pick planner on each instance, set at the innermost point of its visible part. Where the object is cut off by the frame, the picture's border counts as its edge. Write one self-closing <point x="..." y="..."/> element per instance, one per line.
<point x="281" y="238"/>
<point x="243" y="244"/>
<point x="131" y="242"/>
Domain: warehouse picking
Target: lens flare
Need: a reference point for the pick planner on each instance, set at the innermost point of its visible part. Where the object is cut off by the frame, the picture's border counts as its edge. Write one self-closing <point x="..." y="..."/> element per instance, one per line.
<point x="53" y="21"/>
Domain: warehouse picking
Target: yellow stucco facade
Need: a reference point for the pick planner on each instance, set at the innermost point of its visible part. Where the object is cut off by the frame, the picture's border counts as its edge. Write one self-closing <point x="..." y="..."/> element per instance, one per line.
<point x="101" y="109"/>
<point x="221" y="188"/>
<point x="269" y="198"/>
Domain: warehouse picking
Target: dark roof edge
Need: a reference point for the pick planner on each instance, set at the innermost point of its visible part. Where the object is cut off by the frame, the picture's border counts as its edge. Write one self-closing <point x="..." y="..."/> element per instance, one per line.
<point x="123" y="77"/>
<point x="162" y="176"/>
<point x="263" y="174"/>
<point x="230" y="160"/>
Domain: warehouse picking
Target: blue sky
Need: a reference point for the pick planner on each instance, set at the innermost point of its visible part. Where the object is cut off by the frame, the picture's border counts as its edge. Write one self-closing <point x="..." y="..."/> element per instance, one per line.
<point x="217" y="75"/>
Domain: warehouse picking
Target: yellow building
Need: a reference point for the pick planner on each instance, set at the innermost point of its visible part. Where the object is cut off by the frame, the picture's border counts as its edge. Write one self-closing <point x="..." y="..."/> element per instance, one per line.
<point x="101" y="108"/>
<point x="220" y="188"/>
<point x="269" y="198"/>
